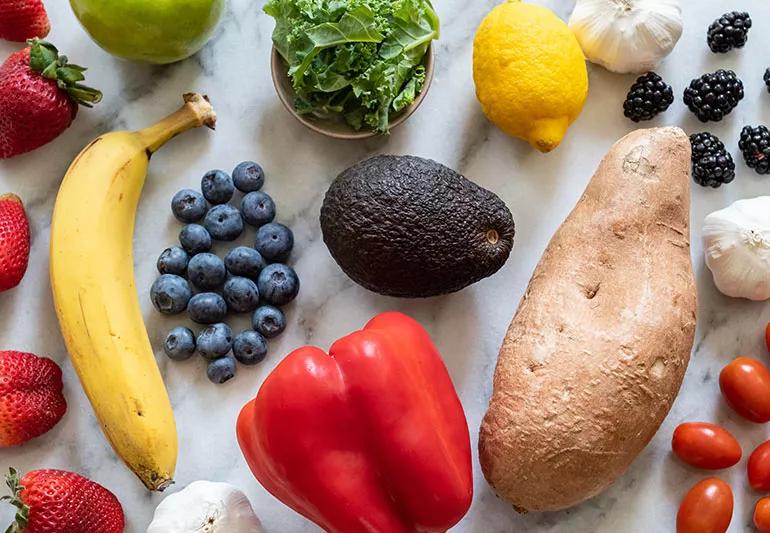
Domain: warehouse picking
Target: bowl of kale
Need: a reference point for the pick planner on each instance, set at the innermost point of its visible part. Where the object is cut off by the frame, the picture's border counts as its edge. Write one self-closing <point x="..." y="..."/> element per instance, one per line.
<point x="352" y="69"/>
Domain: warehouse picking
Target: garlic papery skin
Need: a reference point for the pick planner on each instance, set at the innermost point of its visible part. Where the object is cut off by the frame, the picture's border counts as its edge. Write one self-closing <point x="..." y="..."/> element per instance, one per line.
<point x="736" y="241"/>
<point x="627" y="35"/>
<point x="205" y="507"/>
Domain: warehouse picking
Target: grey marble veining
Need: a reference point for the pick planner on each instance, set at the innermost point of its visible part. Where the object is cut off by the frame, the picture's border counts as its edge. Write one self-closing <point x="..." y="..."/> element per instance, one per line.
<point x="467" y="327"/>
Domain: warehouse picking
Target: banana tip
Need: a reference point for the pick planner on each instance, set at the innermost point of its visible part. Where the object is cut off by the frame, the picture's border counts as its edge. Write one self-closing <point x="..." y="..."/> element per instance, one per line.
<point x="164" y="485"/>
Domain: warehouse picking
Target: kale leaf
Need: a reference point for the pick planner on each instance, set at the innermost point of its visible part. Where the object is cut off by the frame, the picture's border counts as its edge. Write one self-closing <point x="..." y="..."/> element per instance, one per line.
<point x="357" y="59"/>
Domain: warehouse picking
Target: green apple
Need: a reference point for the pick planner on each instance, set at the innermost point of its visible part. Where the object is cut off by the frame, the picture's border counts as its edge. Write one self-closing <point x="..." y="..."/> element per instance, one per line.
<point x="152" y="31"/>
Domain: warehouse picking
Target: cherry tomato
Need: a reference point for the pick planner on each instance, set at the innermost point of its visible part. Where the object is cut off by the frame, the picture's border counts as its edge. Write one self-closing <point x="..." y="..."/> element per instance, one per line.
<point x="762" y="515"/>
<point x="707" y="508"/>
<point x="759" y="467"/>
<point x="705" y="445"/>
<point x="745" y="384"/>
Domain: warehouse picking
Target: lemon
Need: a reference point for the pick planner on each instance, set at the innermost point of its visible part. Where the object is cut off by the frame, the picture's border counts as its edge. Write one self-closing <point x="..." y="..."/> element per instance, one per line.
<point x="530" y="73"/>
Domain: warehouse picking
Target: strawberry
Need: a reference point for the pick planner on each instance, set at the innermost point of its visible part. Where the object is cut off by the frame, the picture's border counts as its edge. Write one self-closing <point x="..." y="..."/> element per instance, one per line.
<point x="14" y="241"/>
<point x="23" y="19"/>
<point x="31" y="400"/>
<point x="57" y="501"/>
<point x="39" y="97"/>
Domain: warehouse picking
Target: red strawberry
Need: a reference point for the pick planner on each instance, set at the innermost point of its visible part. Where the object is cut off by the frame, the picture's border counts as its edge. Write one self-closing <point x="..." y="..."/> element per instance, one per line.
<point x="14" y="241"/>
<point x="23" y="19"/>
<point x="39" y="97"/>
<point x="31" y="400"/>
<point x="57" y="501"/>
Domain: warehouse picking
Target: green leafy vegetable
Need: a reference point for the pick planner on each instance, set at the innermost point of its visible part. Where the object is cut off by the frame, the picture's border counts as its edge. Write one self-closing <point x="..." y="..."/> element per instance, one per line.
<point x="357" y="59"/>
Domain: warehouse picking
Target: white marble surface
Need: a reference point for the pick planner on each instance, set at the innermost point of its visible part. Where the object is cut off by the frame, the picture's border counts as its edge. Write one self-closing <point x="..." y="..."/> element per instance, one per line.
<point x="467" y="326"/>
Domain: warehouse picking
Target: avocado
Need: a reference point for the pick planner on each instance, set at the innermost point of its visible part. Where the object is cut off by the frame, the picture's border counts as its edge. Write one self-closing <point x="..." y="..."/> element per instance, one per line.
<point x="410" y="227"/>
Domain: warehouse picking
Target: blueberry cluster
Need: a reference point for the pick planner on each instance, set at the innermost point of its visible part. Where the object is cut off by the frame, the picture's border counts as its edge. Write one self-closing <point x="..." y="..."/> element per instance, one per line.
<point x="248" y="280"/>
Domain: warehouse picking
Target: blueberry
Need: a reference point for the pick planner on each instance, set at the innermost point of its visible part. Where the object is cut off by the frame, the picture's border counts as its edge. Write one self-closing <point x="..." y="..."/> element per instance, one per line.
<point x="241" y="294"/>
<point x="206" y="271"/>
<point x="248" y="176"/>
<point x="215" y="341"/>
<point x="269" y="321"/>
<point x="244" y="261"/>
<point x="180" y="344"/>
<point x="170" y="294"/>
<point x="195" y="239"/>
<point x="224" y="222"/>
<point x="217" y="186"/>
<point x="188" y="206"/>
<point x="274" y="242"/>
<point x="278" y="284"/>
<point x="249" y="347"/>
<point x="221" y="370"/>
<point x="173" y="261"/>
<point x="207" y="308"/>
<point x="257" y="208"/>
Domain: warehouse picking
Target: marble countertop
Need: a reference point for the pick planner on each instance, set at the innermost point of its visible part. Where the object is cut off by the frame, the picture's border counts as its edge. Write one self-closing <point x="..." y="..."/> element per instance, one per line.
<point x="467" y="326"/>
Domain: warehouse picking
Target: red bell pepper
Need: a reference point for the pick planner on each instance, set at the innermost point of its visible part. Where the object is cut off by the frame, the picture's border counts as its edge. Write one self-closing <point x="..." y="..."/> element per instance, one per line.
<point x="370" y="437"/>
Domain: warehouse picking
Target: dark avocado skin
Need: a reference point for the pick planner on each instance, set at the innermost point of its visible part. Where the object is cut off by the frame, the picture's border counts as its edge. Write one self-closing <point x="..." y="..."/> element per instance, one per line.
<point x="410" y="227"/>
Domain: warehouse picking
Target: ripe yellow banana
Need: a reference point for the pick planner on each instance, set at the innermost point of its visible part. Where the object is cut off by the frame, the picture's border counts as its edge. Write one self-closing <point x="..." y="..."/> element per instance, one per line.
<point x="92" y="275"/>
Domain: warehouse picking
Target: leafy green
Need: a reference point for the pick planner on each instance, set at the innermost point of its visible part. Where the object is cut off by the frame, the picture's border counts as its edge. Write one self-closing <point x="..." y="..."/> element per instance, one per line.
<point x="358" y="59"/>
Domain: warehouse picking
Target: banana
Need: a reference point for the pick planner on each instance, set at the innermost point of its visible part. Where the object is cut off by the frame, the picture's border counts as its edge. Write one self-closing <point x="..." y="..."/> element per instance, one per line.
<point x="92" y="277"/>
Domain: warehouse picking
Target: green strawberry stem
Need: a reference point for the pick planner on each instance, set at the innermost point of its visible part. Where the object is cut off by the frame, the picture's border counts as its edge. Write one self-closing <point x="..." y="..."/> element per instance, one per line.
<point x="13" y="481"/>
<point x="45" y="59"/>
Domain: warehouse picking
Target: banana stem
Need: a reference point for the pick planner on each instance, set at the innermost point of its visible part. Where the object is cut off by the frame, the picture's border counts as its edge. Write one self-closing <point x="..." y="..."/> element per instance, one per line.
<point x="196" y="112"/>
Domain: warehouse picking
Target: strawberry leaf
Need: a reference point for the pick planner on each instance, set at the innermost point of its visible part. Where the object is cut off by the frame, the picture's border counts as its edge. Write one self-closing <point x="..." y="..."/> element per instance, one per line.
<point x="85" y="96"/>
<point x="69" y="74"/>
<point x="44" y="58"/>
<point x="41" y="54"/>
<point x="49" y="72"/>
<point x="13" y="480"/>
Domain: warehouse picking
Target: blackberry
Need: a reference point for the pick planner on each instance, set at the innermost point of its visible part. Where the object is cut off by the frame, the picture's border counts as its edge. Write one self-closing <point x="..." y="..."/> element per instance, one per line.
<point x="713" y="96"/>
<point x="712" y="165"/>
<point x="648" y="96"/>
<point x="729" y="31"/>
<point x="766" y="77"/>
<point x="755" y="145"/>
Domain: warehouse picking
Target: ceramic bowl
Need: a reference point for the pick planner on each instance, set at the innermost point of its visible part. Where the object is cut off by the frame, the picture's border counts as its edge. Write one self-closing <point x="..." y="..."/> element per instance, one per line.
<point x="337" y="128"/>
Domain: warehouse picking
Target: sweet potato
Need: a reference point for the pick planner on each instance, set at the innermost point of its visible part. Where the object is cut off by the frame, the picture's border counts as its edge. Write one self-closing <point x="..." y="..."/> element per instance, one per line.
<point x="600" y="343"/>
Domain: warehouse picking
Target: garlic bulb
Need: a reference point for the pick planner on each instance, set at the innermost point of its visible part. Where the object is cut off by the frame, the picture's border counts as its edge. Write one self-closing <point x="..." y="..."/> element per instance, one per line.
<point x="627" y="35"/>
<point x="736" y="241"/>
<point x="205" y="507"/>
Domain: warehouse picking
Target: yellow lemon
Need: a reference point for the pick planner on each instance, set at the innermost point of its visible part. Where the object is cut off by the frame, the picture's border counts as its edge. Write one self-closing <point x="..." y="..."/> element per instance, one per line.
<point x="530" y="73"/>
